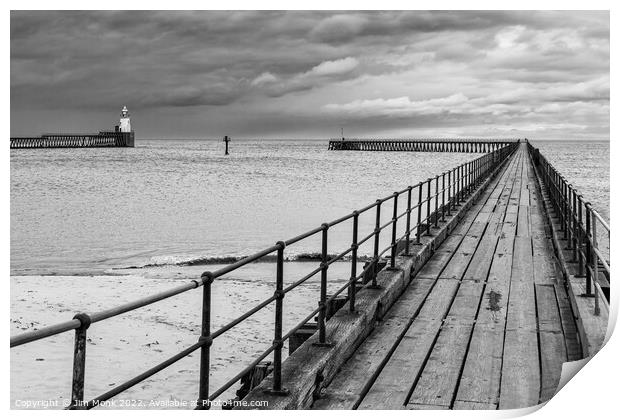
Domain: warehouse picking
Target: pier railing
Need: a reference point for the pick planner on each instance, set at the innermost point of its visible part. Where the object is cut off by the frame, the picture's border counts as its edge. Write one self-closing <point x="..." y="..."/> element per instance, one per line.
<point x="427" y="203"/>
<point x="582" y="227"/>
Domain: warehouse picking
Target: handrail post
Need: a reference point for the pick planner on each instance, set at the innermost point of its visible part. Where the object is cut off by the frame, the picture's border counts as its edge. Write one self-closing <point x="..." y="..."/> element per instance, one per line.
<point x="564" y="221"/>
<point x="455" y="181"/>
<point x="375" y="257"/>
<point x="79" y="363"/>
<point x="443" y="197"/>
<point x="323" y="298"/>
<point x="449" y="189"/>
<point x="588" y="249"/>
<point x="354" y="247"/>
<point x="581" y="235"/>
<point x="574" y="223"/>
<point x="597" y="308"/>
<point x="419" y="225"/>
<point x="394" y="219"/>
<point x="436" y="201"/>
<point x="459" y="184"/>
<point x="408" y="228"/>
<point x="277" y="332"/>
<point x="206" y="340"/>
<point x="428" y="206"/>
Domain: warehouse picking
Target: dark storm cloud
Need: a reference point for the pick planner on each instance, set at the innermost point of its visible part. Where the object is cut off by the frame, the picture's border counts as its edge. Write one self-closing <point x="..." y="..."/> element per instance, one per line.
<point x="268" y="73"/>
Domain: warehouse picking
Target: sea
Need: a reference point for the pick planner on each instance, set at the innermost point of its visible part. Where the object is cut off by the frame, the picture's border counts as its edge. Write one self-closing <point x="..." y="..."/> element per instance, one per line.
<point x="95" y="228"/>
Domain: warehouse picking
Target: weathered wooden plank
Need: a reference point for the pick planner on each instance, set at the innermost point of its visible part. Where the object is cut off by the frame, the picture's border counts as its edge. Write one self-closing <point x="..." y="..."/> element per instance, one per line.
<point x="523" y="221"/>
<point x="345" y="389"/>
<point x="521" y="306"/>
<point x="481" y="261"/>
<point x="545" y="270"/>
<point x="522" y="260"/>
<point x="552" y="346"/>
<point x="392" y="386"/>
<point x="440" y="375"/>
<point x="520" y="383"/>
<point x="470" y="405"/>
<point x="465" y="304"/>
<point x="425" y="407"/>
<point x="435" y="265"/>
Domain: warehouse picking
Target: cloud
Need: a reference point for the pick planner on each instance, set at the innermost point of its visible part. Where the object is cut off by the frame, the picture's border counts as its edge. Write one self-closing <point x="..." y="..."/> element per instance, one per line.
<point x="264" y="79"/>
<point x="336" y="67"/>
<point x="338" y="28"/>
<point x="305" y="72"/>
<point x="323" y="73"/>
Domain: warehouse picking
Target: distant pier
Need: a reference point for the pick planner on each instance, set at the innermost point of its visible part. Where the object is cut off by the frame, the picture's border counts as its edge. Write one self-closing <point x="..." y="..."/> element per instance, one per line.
<point x="122" y="136"/>
<point x="421" y="145"/>
<point x="102" y="139"/>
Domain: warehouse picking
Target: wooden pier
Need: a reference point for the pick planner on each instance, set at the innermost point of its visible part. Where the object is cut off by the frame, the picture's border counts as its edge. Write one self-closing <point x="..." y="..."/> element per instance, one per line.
<point x="102" y="139"/>
<point x="493" y="278"/>
<point x="485" y="323"/>
<point x="421" y="145"/>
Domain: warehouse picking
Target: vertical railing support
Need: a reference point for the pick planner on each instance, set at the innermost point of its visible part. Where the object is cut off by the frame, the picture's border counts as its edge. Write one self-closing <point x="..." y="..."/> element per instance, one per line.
<point x="588" y="250"/>
<point x="449" y="192"/>
<point x="428" y="206"/>
<point x="393" y="244"/>
<point x="437" y="201"/>
<point x="79" y="362"/>
<point x="419" y="225"/>
<point x="375" y="257"/>
<point x="354" y="247"/>
<point x="277" y="388"/>
<point x="322" y="319"/>
<point x="597" y="308"/>
<point x="206" y="341"/>
<point x="408" y="224"/>
<point x="443" y="197"/>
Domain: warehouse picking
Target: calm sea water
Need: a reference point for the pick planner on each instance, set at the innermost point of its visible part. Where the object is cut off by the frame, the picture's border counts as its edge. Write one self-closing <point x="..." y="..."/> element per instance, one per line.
<point x="165" y="202"/>
<point x="585" y="165"/>
<point x="93" y="228"/>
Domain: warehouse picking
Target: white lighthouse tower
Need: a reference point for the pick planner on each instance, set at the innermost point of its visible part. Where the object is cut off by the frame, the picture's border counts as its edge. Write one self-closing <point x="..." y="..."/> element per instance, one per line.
<point x="125" y="123"/>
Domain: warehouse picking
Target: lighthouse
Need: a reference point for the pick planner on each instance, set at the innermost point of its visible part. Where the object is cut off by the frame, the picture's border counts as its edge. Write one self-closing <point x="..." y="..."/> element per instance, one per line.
<point x="124" y="128"/>
<point x="125" y="123"/>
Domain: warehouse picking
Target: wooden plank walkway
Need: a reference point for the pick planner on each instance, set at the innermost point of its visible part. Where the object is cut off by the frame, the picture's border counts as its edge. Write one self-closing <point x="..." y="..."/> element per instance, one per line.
<point x="485" y="324"/>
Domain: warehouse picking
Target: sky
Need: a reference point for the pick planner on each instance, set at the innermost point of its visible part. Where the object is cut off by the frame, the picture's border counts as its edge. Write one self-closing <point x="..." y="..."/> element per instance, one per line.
<point x="307" y="74"/>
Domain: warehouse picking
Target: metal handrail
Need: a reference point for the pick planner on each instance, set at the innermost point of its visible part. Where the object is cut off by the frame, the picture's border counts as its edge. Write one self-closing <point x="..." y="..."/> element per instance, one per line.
<point x="578" y="223"/>
<point x="461" y="181"/>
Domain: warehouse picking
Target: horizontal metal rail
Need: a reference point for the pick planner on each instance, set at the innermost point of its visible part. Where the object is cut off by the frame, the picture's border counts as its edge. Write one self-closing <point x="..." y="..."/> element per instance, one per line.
<point x="579" y="224"/>
<point x="436" y="198"/>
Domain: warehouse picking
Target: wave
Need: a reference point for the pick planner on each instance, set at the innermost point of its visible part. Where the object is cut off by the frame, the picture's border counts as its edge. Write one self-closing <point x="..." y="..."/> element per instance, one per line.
<point x="231" y="259"/>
